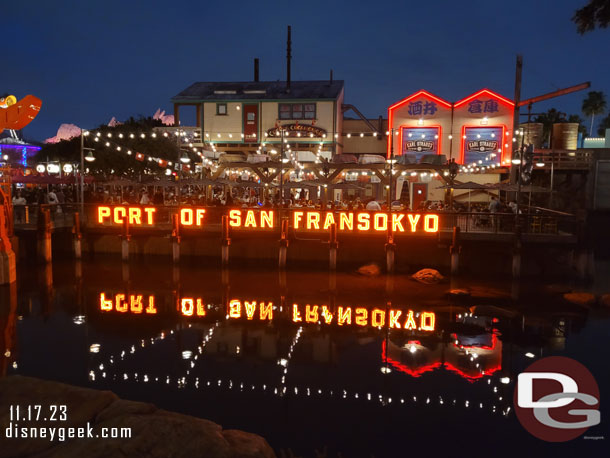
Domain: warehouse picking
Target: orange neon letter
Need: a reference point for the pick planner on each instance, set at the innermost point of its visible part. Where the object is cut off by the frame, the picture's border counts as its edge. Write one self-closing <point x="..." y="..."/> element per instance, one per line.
<point x="427" y="321"/>
<point x="119" y="214"/>
<point x="135" y="216"/>
<point x="267" y="218"/>
<point x="345" y="316"/>
<point x="431" y="223"/>
<point x="105" y="304"/>
<point x="150" y="211"/>
<point x="378" y="318"/>
<point x="234" y="308"/>
<point x="381" y="222"/>
<point x="330" y="219"/>
<point x="313" y="219"/>
<point x="119" y="303"/>
<point x="250" y="219"/>
<point x="266" y="311"/>
<point x="102" y="212"/>
<point x="199" y="214"/>
<point x="135" y="303"/>
<point x="250" y="309"/>
<point x="151" y="309"/>
<point x="186" y="216"/>
<point x="296" y="219"/>
<point x="187" y="306"/>
<point x="410" y="323"/>
<point x="394" y="316"/>
<point x="296" y="315"/>
<point x="397" y="222"/>
<point x="311" y="313"/>
<point x="364" y="223"/>
<point x="346" y="221"/>
<point x="361" y="316"/>
<point x="235" y="218"/>
<point x="413" y="220"/>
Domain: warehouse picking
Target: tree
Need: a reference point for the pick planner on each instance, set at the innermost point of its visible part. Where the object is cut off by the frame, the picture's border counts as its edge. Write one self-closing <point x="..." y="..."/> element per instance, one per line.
<point x="603" y="125"/>
<point x="594" y="14"/>
<point x="594" y="104"/>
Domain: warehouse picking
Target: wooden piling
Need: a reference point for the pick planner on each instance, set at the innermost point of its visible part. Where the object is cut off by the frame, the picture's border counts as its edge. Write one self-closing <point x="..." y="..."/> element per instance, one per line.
<point x="226" y="240"/>
<point x="44" y="235"/>
<point x="390" y="251"/>
<point x="283" y="243"/>
<point x="77" y="236"/>
<point x="126" y="237"/>
<point x="455" y="250"/>
<point x="333" y="246"/>
<point x="175" y="239"/>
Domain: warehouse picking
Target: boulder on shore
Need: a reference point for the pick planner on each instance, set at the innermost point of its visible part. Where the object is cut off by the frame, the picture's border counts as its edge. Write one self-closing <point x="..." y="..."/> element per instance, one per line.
<point x="582" y="299"/>
<point x="369" y="270"/>
<point x="428" y="276"/>
<point x="154" y="432"/>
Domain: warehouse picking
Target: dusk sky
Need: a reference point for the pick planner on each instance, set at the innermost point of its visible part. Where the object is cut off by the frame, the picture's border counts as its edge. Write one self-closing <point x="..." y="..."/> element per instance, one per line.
<point x="90" y="61"/>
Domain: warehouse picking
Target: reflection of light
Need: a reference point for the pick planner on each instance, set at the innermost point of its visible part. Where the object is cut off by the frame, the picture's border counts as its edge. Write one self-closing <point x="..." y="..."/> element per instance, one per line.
<point x="94" y="348"/>
<point x="283" y="362"/>
<point x="79" y="319"/>
<point x="505" y="380"/>
<point x="7" y="354"/>
<point x="412" y="349"/>
<point x="385" y="370"/>
<point x="186" y="354"/>
<point x="530" y="355"/>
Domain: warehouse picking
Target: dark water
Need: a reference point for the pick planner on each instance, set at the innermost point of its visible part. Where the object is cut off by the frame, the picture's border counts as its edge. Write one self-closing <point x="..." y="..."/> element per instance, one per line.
<point x="350" y="390"/>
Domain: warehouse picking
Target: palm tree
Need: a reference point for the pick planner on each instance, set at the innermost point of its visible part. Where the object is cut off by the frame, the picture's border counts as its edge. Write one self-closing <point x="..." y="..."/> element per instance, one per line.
<point x="603" y="125"/>
<point x="552" y="116"/>
<point x="595" y="103"/>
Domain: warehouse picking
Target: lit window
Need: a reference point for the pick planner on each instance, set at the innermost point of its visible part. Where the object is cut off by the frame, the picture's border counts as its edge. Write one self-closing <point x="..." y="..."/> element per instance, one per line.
<point x="221" y="109"/>
<point x="297" y="111"/>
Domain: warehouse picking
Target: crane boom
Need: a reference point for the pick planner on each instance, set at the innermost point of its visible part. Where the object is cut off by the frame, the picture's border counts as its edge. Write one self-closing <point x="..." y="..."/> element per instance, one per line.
<point x="550" y="95"/>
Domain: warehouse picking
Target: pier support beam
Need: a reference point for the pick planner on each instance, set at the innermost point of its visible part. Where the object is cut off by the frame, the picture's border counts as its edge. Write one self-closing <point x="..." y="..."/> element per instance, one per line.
<point x="126" y="237"/>
<point x="44" y="236"/>
<point x="516" y="267"/>
<point x="390" y="253"/>
<point x="334" y="245"/>
<point x="283" y="243"/>
<point x="175" y="239"/>
<point x="455" y="250"/>
<point x="226" y="241"/>
<point x="78" y="236"/>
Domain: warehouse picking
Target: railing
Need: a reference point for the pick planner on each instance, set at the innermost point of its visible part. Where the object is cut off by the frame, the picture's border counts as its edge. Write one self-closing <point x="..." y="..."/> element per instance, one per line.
<point x="536" y="222"/>
<point x="563" y="159"/>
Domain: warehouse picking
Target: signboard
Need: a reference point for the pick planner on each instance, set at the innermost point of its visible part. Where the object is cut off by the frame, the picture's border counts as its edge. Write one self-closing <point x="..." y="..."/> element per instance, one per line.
<point x="306" y="130"/>
<point x="246" y="219"/>
<point x="482" y="145"/>
<point x="419" y="141"/>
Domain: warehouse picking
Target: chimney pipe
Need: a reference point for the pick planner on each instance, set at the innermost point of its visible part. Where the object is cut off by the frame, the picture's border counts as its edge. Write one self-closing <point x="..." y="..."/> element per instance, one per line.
<point x="256" y="69"/>
<point x="331" y="77"/>
<point x="288" y="57"/>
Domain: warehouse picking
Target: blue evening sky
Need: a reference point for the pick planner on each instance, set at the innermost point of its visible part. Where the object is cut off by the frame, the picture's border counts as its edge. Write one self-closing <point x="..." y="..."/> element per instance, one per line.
<point x="91" y="60"/>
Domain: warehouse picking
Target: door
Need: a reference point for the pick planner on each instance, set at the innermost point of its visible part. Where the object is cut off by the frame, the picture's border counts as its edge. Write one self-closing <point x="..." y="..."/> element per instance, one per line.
<point x="419" y="195"/>
<point x="251" y="123"/>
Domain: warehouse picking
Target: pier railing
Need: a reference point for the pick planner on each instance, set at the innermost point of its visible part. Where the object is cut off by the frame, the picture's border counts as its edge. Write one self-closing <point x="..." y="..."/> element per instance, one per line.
<point x="537" y="221"/>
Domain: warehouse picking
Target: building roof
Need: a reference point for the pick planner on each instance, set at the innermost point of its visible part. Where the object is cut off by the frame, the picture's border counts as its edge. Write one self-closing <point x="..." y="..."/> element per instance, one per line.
<point x="257" y="90"/>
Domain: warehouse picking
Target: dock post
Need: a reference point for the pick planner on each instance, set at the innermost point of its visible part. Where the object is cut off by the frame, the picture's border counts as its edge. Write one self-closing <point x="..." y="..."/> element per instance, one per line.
<point x="390" y="251"/>
<point x="77" y="236"/>
<point x="333" y="247"/>
<point x="8" y="265"/>
<point x="283" y="243"/>
<point x="455" y="250"/>
<point x="226" y="240"/>
<point x="126" y="237"/>
<point x="175" y="239"/>
<point x="44" y="236"/>
<point x="517" y="254"/>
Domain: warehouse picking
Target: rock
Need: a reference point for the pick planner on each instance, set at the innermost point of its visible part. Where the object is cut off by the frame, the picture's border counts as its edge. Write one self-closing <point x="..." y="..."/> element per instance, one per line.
<point x="154" y="432"/>
<point x="369" y="270"/>
<point x="459" y="292"/>
<point x="605" y="300"/>
<point x="579" y="298"/>
<point x="428" y="276"/>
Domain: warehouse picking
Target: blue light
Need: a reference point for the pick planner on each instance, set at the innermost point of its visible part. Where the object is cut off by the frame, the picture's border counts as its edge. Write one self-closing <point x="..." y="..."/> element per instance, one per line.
<point x="24" y="156"/>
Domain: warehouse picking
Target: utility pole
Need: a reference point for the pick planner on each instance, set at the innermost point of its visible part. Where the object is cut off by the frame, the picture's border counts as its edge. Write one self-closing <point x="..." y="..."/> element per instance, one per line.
<point x="82" y="172"/>
<point x="517" y="99"/>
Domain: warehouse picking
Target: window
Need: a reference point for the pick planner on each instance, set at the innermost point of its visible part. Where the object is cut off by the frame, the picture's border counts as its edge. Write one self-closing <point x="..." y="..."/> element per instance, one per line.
<point x="297" y="111"/>
<point x="221" y="109"/>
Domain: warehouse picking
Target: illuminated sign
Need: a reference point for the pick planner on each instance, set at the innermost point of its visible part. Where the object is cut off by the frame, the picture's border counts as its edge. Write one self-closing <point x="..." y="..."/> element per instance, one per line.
<point x="422" y="108"/>
<point x="266" y="311"/>
<point x="311" y="220"/>
<point x="482" y="145"/>
<point x="420" y="140"/>
<point x="307" y="129"/>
